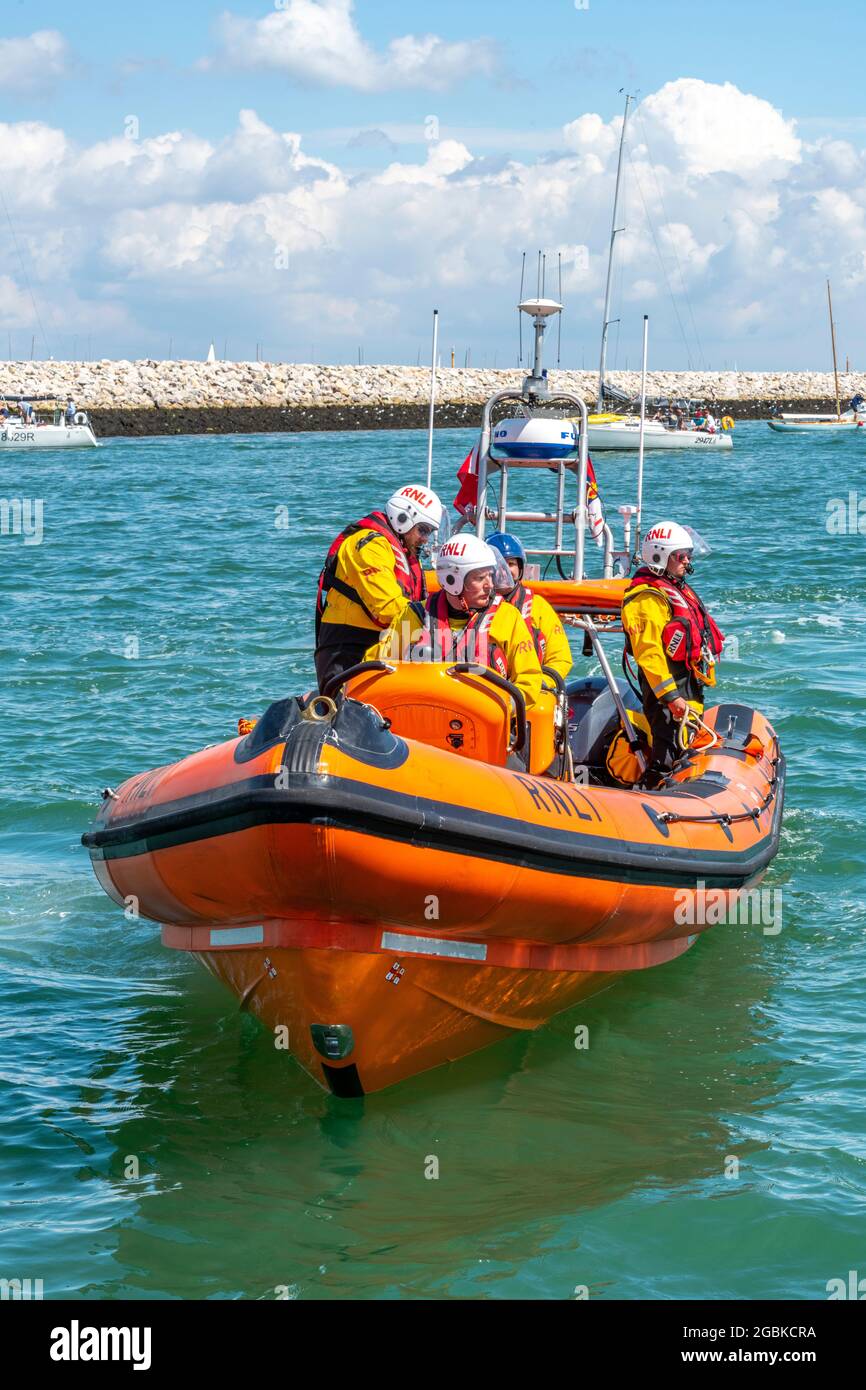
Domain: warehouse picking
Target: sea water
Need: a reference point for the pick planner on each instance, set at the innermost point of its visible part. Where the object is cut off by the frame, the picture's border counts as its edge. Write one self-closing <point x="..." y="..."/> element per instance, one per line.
<point x="696" y="1131"/>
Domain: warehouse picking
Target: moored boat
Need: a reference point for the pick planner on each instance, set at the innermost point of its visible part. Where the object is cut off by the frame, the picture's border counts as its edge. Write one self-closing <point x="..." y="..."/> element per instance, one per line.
<point x="36" y="433"/>
<point x="624" y="433"/>
<point x="830" y="428"/>
<point x="825" y="425"/>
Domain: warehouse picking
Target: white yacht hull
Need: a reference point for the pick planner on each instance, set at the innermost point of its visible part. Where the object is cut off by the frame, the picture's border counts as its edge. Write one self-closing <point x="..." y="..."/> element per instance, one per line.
<point x="625" y="434"/>
<point x="18" y="436"/>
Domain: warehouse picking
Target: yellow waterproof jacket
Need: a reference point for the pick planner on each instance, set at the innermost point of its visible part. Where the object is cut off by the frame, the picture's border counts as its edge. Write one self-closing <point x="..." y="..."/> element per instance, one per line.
<point x="507" y="629"/>
<point x="365" y="561"/>
<point x="645" y="617"/>
<point x="557" y="652"/>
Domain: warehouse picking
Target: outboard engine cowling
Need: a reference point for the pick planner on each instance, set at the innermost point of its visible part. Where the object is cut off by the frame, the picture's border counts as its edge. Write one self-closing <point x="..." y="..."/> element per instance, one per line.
<point x="593" y="720"/>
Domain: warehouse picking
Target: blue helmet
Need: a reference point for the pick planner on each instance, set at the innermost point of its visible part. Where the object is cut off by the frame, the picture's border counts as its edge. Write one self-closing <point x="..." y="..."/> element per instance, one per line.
<point x="509" y="546"/>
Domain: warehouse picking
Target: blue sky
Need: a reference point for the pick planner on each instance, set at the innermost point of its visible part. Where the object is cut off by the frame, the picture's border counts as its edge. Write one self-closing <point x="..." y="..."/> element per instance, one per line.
<point x="581" y="55"/>
<point x="506" y="102"/>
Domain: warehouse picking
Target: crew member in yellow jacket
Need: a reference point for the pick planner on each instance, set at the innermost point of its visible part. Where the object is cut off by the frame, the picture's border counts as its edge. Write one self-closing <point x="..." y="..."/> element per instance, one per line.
<point x="672" y="638"/>
<point x="545" y="628"/>
<point x="370" y="573"/>
<point x="466" y="621"/>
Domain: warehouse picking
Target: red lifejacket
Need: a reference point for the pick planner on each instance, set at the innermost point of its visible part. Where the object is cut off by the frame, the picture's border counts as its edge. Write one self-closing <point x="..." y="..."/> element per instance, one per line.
<point x="407" y="569"/>
<point x="440" y="642"/>
<point x="521" y="598"/>
<point x="691" y="639"/>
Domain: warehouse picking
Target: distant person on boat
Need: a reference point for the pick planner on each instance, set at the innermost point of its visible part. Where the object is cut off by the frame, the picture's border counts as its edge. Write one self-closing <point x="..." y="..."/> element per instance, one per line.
<point x="69" y="413"/>
<point x="371" y="571"/>
<point x="466" y="621"/>
<point x="672" y="638"/>
<point x="545" y="628"/>
<point x="26" y="411"/>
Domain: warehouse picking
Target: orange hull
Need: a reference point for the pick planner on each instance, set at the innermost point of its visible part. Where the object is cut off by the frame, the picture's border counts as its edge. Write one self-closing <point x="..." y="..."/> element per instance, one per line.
<point x="405" y="1023"/>
<point x="388" y="906"/>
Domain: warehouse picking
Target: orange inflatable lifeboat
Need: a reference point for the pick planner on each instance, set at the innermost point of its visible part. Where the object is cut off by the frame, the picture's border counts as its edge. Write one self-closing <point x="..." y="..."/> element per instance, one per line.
<point x="404" y="874"/>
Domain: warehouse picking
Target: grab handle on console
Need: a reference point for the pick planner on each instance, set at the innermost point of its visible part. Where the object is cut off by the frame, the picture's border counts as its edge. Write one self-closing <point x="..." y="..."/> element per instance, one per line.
<point x="337" y="682"/>
<point x="558" y="682"/>
<point x="466" y="668"/>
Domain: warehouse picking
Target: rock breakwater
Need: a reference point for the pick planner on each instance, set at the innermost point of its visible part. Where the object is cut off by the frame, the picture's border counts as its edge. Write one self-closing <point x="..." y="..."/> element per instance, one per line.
<point x="151" y="397"/>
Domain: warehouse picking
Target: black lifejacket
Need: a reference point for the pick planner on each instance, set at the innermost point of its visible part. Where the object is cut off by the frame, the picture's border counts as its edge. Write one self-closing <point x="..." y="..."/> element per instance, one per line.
<point x="439" y="642"/>
<point x="407" y="569"/>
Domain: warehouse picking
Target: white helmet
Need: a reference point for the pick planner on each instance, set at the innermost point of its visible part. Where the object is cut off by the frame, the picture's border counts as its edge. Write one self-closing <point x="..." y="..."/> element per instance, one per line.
<point x="460" y="556"/>
<point x="411" y="506"/>
<point x="661" y="542"/>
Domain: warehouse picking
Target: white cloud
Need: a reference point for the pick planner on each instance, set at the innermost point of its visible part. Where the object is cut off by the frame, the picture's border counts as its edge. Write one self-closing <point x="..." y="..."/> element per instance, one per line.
<point x="318" y="43"/>
<point x="686" y="249"/>
<point x="258" y="233"/>
<point x="443" y="158"/>
<point x="706" y="128"/>
<point x="33" y="63"/>
<point x="840" y="158"/>
<point x="837" y="209"/>
<point x="16" y="307"/>
<point x="589" y="134"/>
<point x="33" y="156"/>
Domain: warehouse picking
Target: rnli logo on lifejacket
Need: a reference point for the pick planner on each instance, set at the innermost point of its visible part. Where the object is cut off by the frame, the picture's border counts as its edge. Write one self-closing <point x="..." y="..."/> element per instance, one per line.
<point x="676" y="642"/>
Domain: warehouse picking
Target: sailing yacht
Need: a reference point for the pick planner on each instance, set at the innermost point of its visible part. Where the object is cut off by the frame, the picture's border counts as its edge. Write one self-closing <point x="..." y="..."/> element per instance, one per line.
<point x="613" y="429"/>
<point x="827" y="426"/>
<point x="20" y="429"/>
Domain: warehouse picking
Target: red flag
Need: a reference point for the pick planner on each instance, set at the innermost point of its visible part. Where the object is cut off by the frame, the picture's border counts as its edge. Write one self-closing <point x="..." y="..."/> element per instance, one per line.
<point x="467" y="476"/>
<point x="594" y="506"/>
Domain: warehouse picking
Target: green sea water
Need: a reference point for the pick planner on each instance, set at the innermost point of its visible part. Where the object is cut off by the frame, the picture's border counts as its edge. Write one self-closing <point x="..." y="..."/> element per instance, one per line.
<point x="710" y="1142"/>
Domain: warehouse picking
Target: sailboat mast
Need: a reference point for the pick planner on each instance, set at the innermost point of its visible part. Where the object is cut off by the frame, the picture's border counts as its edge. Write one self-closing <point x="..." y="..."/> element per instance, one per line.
<point x="833" y="341"/>
<point x="613" y="232"/>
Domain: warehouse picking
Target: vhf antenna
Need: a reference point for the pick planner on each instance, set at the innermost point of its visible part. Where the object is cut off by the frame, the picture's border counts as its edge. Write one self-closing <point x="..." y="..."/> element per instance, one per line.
<point x="559" y="323"/>
<point x="519" y="315"/>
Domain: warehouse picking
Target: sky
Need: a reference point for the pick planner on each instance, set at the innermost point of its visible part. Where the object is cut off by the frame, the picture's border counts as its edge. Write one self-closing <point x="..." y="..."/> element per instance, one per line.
<point x="308" y="179"/>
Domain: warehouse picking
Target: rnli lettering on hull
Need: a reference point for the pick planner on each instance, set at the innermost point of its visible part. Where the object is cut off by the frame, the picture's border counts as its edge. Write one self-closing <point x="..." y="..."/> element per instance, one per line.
<point x="559" y="800"/>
